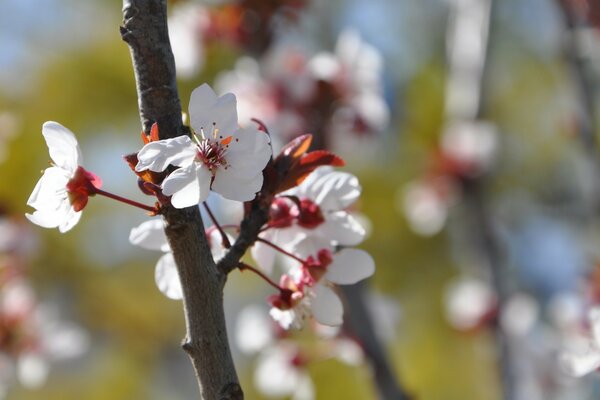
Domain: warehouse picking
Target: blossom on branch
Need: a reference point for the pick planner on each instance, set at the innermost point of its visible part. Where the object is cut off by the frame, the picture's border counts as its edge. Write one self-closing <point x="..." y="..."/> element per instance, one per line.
<point x="150" y="235"/>
<point x="311" y="216"/>
<point x="63" y="190"/>
<point x="220" y="155"/>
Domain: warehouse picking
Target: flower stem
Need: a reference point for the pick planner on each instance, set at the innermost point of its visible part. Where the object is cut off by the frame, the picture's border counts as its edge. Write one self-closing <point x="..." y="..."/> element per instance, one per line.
<point x="279" y="249"/>
<point x="243" y="266"/>
<point x="224" y="237"/>
<point x="125" y="200"/>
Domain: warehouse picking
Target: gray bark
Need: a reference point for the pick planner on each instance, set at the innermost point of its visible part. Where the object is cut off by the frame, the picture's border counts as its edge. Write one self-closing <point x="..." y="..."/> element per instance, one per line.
<point x="145" y="31"/>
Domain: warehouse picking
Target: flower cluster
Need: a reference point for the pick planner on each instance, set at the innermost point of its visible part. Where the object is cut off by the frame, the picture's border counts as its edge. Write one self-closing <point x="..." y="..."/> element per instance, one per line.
<point x="246" y="25"/>
<point x="31" y="334"/>
<point x="337" y="95"/>
<point x="311" y="225"/>
<point x="467" y="150"/>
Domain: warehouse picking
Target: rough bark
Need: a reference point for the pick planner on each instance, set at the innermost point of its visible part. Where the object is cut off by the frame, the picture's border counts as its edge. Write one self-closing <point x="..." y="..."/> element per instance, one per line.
<point x="144" y="29"/>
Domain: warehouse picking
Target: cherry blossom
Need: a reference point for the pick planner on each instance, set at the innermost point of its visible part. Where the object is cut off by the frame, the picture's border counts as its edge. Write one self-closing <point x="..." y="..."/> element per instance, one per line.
<point x="220" y="155"/>
<point x="280" y="372"/>
<point x="150" y="235"/>
<point x="33" y="336"/>
<point x="319" y="218"/>
<point x="63" y="190"/>
<point x="582" y="354"/>
<point x="469" y="303"/>
<point x="310" y="290"/>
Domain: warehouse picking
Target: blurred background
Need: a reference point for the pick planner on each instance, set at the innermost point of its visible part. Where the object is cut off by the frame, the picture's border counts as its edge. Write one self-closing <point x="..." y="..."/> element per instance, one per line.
<point x="472" y="128"/>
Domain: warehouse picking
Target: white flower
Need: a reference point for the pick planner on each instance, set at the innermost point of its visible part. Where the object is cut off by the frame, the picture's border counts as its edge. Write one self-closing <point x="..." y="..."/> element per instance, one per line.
<point x="62" y="192"/>
<point x="582" y="355"/>
<point x="222" y="156"/>
<point x="312" y="290"/>
<point x="320" y="221"/>
<point x="280" y="373"/>
<point x="346" y="267"/>
<point x="151" y="235"/>
<point x="468" y="303"/>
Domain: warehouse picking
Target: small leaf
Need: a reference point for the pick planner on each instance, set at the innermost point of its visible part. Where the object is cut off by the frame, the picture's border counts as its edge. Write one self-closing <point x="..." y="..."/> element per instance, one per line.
<point x="307" y="164"/>
<point x="154" y="133"/>
<point x="146" y="175"/>
<point x="297" y="147"/>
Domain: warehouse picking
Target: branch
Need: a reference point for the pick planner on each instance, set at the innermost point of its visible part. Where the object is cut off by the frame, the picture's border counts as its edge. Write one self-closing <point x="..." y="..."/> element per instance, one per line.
<point x="145" y="31"/>
<point x="577" y="58"/>
<point x="249" y="230"/>
<point x="358" y="321"/>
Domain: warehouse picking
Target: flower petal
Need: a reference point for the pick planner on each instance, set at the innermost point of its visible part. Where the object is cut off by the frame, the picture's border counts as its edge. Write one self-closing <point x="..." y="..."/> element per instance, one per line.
<point x="156" y="156"/>
<point x="581" y="361"/>
<point x="330" y="189"/>
<point x="62" y="146"/>
<point x="350" y="266"/>
<point x="327" y="307"/>
<point x="167" y="277"/>
<point x="188" y="186"/>
<point x="249" y="151"/>
<point x="206" y="108"/>
<point x="150" y="235"/>
<point x="229" y="185"/>
<point x="51" y="190"/>
<point x="71" y="219"/>
<point x="342" y="228"/>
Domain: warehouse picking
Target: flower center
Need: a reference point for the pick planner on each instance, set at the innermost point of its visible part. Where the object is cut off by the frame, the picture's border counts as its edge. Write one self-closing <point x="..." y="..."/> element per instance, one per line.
<point x="281" y="214"/>
<point x="310" y="215"/>
<point x="212" y="150"/>
<point x="82" y="185"/>
<point x="316" y="267"/>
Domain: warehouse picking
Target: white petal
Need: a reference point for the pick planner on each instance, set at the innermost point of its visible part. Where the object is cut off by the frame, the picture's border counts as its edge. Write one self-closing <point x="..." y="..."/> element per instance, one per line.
<point x="264" y="256"/>
<point x="275" y="376"/>
<point x="327" y="307"/>
<point x="249" y="151"/>
<point x="580" y="363"/>
<point x="342" y="228"/>
<point x="167" y="277"/>
<point x="32" y="370"/>
<point x="62" y="146"/>
<point x="150" y="235"/>
<point x="332" y="190"/>
<point x="253" y="330"/>
<point x="45" y="219"/>
<point x="51" y="190"/>
<point x="350" y="266"/>
<point x="216" y="244"/>
<point x="594" y="318"/>
<point x="230" y="186"/>
<point x="206" y="108"/>
<point x="71" y="219"/>
<point x="157" y="156"/>
<point x="188" y="186"/>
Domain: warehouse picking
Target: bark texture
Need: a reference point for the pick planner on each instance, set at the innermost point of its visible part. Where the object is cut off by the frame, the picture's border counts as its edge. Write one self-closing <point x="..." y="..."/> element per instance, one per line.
<point x="144" y="29"/>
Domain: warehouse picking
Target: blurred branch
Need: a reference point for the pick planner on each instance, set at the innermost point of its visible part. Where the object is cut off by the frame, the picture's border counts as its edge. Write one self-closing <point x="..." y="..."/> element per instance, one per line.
<point x="576" y="58"/>
<point x="359" y="323"/>
<point x="468" y="46"/>
<point x="145" y="31"/>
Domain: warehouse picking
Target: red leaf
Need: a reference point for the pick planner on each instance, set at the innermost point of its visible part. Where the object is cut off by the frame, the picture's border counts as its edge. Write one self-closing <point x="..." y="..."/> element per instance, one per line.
<point x="296" y="147"/>
<point x="147" y="175"/>
<point x="144" y="137"/>
<point x="307" y="164"/>
<point x="154" y="133"/>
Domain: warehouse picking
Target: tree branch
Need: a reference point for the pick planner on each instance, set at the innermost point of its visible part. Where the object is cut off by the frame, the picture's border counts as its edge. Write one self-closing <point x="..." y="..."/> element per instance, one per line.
<point x="145" y="31"/>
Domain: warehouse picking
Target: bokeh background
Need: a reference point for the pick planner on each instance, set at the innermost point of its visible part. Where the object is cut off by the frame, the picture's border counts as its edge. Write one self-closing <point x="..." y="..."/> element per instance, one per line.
<point x="63" y="60"/>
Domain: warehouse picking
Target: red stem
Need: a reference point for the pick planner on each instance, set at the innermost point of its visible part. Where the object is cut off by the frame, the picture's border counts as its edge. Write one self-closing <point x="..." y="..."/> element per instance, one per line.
<point x="126" y="201"/>
<point x="224" y="237"/>
<point x="244" y="266"/>
<point x="279" y="249"/>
